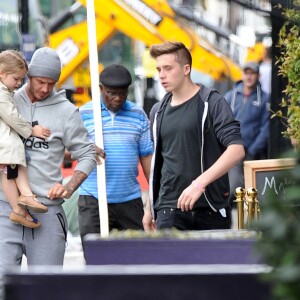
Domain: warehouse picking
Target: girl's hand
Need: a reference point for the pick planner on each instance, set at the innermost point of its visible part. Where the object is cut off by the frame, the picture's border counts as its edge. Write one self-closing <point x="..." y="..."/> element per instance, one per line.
<point x="40" y="131"/>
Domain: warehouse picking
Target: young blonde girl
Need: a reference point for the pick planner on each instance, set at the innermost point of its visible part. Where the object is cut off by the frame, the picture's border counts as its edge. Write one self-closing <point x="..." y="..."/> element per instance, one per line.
<point x="15" y="182"/>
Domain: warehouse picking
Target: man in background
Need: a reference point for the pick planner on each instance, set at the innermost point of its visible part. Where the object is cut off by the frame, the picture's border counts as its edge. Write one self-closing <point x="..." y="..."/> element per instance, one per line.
<point x="250" y="106"/>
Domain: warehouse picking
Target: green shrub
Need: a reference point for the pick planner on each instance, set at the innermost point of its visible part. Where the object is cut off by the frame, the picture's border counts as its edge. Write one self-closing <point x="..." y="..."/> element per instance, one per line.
<point x="289" y="67"/>
<point x="279" y="246"/>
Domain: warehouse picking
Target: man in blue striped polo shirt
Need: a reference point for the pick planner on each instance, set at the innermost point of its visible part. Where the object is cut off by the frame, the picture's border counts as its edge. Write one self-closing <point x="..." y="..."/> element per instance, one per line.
<point x="126" y="136"/>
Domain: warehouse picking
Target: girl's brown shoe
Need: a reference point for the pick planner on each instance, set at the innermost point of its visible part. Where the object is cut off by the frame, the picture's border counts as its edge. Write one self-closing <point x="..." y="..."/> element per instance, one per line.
<point x="32" y="203"/>
<point x="23" y="220"/>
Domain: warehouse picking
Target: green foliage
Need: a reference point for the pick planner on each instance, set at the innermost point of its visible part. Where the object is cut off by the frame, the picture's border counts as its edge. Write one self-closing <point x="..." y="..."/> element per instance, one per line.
<point x="289" y="68"/>
<point x="174" y="233"/>
<point x="279" y="245"/>
<point x="279" y="224"/>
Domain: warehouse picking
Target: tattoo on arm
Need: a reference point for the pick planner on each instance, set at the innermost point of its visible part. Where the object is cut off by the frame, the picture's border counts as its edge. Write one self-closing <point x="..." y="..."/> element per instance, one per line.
<point x="75" y="181"/>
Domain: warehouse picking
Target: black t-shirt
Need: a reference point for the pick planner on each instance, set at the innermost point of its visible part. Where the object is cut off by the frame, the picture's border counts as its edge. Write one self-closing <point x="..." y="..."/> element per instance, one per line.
<point x="180" y="151"/>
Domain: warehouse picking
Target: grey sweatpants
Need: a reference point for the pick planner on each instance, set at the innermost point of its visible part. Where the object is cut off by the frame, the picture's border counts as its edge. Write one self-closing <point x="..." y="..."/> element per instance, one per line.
<point x="42" y="246"/>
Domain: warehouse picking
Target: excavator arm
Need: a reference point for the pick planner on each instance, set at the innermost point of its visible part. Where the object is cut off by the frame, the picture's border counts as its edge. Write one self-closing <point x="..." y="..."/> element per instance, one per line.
<point x="72" y="45"/>
<point x="150" y="21"/>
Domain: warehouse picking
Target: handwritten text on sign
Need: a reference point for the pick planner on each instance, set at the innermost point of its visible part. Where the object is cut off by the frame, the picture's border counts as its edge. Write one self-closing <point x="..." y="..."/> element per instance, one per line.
<point x="274" y="183"/>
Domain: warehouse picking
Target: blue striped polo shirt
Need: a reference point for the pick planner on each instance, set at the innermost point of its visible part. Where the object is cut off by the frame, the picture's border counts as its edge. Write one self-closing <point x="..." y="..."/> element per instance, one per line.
<point x="126" y="137"/>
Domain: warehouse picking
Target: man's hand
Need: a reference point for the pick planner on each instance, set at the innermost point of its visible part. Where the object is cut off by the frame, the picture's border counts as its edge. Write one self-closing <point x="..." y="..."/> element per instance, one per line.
<point x="99" y="154"/>
<point x="188" y="198"/>
<point x="148" y="223"/>
<point x="59" y="191"/>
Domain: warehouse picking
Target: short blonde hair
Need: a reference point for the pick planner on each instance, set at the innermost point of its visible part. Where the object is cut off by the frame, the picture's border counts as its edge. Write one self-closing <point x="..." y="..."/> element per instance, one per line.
<point x="12" y="61"/>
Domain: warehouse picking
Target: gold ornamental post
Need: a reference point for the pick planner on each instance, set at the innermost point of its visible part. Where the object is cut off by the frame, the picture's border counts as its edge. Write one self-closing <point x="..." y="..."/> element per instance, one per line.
<point x="240" y="199"/>
<point x="248" y="199"/>
<point x="252" y="205"/>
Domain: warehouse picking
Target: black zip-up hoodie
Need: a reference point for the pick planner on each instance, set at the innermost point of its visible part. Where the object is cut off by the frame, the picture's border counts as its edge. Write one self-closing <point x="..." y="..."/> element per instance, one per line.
<point x="217" y="130"/>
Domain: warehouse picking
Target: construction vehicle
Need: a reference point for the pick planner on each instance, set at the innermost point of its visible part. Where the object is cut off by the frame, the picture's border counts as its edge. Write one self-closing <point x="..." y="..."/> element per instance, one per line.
<point x="149" y="21"/>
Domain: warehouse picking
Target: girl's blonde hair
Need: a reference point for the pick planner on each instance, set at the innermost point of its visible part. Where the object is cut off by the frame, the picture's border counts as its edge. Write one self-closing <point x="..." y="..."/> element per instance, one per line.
<point x="12" y="61"/>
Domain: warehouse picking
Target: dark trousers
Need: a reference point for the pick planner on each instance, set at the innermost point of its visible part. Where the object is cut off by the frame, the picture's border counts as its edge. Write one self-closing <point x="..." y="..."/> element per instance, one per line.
<point x="126" y="215"/>
<point x="197" y="219"/>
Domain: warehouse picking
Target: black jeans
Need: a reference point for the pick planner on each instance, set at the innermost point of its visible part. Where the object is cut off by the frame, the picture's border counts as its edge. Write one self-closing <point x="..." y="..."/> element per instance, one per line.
<point x="126" y="215"/>
<point x="196" y="219"/>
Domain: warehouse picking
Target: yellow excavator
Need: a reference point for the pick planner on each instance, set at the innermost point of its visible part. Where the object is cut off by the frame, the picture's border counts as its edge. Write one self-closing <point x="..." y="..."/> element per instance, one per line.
<point x="149" y="21"/>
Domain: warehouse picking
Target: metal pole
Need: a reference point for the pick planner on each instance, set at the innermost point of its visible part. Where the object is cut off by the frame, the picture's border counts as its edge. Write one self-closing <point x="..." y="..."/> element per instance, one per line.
<point x="93" y="57"/>
<point x="24" y="15"/>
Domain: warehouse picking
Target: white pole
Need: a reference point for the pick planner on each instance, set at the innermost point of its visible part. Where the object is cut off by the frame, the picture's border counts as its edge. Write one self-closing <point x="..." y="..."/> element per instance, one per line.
<point x="93" y="57"/>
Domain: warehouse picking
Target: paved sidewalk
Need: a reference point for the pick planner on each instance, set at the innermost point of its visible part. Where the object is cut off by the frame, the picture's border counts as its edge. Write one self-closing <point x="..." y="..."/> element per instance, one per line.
<point x="74" y="255"/>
